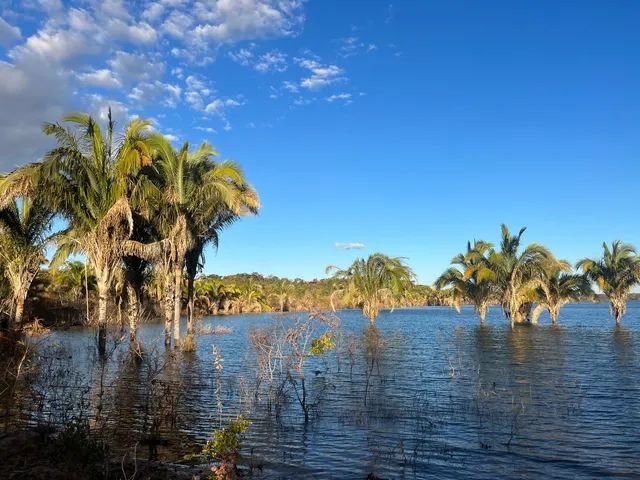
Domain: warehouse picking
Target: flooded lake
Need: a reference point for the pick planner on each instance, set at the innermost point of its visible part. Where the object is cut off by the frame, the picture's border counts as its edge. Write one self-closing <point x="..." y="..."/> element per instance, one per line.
<point x="437" y="396"/>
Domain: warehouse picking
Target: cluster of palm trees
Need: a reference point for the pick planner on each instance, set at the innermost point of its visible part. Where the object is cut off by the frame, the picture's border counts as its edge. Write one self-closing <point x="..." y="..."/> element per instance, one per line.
<point x="130" y="203"/>
<point x="518" y="278"/>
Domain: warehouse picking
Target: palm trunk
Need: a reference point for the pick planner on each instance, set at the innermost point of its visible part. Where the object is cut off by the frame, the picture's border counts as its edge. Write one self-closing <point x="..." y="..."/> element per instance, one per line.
<point x="103" y="291"/>
<point x="132" y="311"/>
<point x="482" y="311"/>
<point x="19" y="308"/>
<point x="190" y="302"/>
<point x="177" y="304"/>
<point x="168" y="313"/>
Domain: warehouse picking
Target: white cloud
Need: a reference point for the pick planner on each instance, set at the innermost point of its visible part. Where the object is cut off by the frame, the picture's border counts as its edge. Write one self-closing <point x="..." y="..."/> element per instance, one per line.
<point x="114" y="9"/>
<point x="8" y="33"/>
<point x="51" y="6"/>
<point x="272" y="61"/>
<point x="207" y="129"/>
<point x="171" y="137"/>
<point x="81" y="47"/>
<point x="177" y="24"/>
<point x="132" y="67"/>
<point x="32" y="91"/>
<point x="218" y="106"/>
<point x="99" y="106"/>
<point x="244" y="56"/>
<point x="155" y="92"/>
<point x="350" y="245"/>
<point x="100" y="78"/>
<point x="153" y="12"/>
<point x="346" y="97"/>
<point x="321" y="75"/>
<point x="290" y="86"/>
<point x="228" y="21"/>
<point x="55" y="45"/>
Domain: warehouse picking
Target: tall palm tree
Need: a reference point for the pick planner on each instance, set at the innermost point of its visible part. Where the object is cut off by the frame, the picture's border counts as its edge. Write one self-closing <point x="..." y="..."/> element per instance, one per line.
<point x="375" y="282"/>
<point x="89" y="178"/>
<point x="557" y="288"/>
<point x="194" y="191"/>
<point x="472" y="280"/>
<point x="616" y="273"/>
<point x="243" y="200"/>
<point x="24" y="233"/>
<point x="517" y="273"/>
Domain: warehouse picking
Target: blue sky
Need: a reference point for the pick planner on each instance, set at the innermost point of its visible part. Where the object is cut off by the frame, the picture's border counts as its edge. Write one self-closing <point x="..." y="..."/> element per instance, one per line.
<point x="408" y="127"/>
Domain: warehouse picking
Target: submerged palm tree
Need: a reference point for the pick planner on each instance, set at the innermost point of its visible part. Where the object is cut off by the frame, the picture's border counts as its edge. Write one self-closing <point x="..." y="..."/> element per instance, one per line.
<point x="473" y="281"/>
<point x="616" y="273"/>
<point x="89" y="179"/>
<point x="375" y="282"/>
<point x="517" y="274"/>
<point x="195" y="197"/>
<point x="24" y="233"/>
<point x="556" y="289"/>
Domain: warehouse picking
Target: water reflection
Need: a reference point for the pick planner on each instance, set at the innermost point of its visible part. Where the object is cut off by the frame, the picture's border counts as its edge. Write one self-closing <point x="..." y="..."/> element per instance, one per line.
<point x="424" y="393"/>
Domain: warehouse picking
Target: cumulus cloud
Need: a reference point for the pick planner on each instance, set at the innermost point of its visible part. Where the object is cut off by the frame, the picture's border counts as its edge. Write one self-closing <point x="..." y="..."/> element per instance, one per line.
<point x="89" y="54"/>
<point x="228" y="21"/>
<point x="8" y="33"/>
<point x="350" y="245"/>
<point x="100" y="78"/>
<point x="135" y="67"/>
<point x="156" y="92"/>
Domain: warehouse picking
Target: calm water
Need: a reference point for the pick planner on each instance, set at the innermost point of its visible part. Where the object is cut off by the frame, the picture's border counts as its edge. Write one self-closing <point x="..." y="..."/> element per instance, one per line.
<point x="445" y="397"/>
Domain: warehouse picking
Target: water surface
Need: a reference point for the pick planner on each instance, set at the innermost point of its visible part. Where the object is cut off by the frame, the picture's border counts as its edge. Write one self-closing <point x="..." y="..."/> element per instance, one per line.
<point x="445" y="397"/>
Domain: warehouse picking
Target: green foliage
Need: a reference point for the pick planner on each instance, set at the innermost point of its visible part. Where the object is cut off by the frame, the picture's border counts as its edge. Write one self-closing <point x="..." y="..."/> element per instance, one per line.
<point x="374" y="283"/>
<point x="323" y="344"/>
<point x="227" y="441"/>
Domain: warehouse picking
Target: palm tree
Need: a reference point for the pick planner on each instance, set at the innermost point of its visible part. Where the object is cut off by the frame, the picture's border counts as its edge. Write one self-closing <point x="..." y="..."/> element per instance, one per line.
<point x="557" y="288"/>
<point x="517" y="274"/>
<point x="75" y="278"/>
<point x="283" y="294"/>
<point x="473" y="280"/>
<point x="375" y="282"/>
<point x="198" y="197"/>
<point x="24" y="233"/>
<point x="90" y="179"/>
<point x="242" y="200"/>
<point x="616" y="273"/>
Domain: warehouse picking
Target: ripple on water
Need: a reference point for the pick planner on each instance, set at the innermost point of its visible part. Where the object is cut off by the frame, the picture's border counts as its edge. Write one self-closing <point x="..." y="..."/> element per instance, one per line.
<point x="447" y="398"/>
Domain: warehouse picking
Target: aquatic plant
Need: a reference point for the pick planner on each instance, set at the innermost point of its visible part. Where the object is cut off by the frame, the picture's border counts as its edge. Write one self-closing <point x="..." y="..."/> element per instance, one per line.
<point x="225" y="448"/>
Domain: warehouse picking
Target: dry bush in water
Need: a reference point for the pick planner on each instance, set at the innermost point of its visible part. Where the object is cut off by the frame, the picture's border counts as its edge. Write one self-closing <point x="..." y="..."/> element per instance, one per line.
<point x="282" y="351"/>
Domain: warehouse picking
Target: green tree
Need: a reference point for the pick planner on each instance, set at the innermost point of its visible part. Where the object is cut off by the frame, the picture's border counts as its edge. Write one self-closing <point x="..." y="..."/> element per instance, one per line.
<point x="375" y="282"/>
<point x="517" y="273"/>
<point x="615" y="273"/>
<point x="90" y="179"/>
<point x="471" y="280"/>
<point x="557" y="288"/>
<point x="195" y="198"/>
<point x="24" y="233"/>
